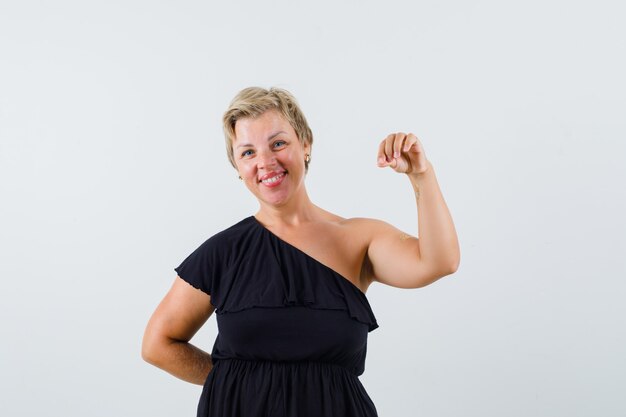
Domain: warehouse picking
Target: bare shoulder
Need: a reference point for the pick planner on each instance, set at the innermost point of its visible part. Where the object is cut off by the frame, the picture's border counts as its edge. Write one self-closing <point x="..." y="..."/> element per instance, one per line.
<point x="363" y="231"/>
<point x="374" y="232"/>
<point x="361" y="222"/>
<point x="370" y="228"/>
<point x="358" y="227"/>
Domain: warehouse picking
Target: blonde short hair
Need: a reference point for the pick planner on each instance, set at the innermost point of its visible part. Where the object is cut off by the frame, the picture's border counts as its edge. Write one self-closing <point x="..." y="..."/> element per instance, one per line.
<point x="253" y="102"/>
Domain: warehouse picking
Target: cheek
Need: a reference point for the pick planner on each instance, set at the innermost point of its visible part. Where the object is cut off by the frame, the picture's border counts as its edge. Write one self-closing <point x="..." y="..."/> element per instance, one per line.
<point x="247" y="172"/>
<point x="293" y="159"/>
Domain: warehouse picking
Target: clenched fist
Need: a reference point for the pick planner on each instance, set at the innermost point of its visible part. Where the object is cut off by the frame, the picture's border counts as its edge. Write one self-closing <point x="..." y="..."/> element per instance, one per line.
<point x="403" y="153"/>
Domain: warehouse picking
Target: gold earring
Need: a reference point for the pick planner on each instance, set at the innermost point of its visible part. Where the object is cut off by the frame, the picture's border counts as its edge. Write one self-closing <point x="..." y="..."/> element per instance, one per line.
<point x="307" y="158"/>
<point x="240" y="177"/>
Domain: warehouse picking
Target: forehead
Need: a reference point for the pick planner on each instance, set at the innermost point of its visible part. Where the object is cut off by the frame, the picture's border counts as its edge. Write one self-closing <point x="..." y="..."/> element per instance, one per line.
<point x="262" y="126"/>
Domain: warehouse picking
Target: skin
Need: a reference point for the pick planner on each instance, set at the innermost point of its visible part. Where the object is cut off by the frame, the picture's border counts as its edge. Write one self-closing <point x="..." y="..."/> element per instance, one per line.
<point x="362" y="250"/>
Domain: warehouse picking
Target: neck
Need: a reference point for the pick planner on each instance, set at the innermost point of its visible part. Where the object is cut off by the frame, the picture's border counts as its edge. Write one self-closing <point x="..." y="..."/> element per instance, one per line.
<point x="298" y="210"/>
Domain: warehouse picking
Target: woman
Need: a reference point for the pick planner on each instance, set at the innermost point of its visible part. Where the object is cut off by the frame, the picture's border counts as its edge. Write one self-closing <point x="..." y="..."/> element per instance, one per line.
<point x="288" y="284"/>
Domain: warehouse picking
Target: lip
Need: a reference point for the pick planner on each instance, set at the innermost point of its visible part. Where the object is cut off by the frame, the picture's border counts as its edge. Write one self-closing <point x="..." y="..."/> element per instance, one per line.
<point x="271" y="175"/>
<point x="280" y="177"/>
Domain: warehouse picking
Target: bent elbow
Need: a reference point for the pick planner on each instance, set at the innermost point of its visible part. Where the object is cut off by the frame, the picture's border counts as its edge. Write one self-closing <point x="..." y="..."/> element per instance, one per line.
<point x="454" y="266"/>
<point x="147" y="353"/>
<point x="445" y="271"/>
<point x="151" y="349"/>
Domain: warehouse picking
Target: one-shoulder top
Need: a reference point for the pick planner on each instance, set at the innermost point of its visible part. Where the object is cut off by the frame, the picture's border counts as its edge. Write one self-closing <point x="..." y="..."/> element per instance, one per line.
<point x="292" y="332"/>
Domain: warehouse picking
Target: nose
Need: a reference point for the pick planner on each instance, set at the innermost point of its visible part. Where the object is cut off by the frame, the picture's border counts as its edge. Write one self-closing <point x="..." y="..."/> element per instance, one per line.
<point x="266" y="160"/>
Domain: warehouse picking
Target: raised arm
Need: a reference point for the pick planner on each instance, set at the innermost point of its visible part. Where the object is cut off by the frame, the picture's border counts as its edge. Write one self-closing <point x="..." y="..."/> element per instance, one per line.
<point x="401" y="260"/>
<point x="166" y="339"/>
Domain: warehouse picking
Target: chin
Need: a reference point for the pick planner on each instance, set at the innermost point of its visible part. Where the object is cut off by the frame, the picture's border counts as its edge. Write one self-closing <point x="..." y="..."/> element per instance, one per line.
<point x="276" y="202"/>
<point x="274" y="197"/>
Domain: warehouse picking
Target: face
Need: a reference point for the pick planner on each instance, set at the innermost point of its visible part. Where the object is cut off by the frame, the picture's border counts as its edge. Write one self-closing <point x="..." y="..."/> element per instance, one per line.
<point x="270" y="158"/>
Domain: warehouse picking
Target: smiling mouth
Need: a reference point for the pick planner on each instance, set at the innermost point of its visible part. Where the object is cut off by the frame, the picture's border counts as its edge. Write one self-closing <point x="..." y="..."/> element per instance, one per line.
<point x="274" y="179"/>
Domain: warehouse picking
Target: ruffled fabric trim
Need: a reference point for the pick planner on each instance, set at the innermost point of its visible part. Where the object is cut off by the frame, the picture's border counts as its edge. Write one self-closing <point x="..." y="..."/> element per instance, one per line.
<point x="266" y="271"/>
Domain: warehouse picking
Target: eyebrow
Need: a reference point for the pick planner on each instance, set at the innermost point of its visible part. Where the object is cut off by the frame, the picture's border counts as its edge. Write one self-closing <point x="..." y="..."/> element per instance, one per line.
<point x="272" y="136"/>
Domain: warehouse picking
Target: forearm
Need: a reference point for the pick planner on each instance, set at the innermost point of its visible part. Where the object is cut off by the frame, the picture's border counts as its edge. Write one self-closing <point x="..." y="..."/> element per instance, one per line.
<point x="183" y="360"/>
<point x="438" y="241"/>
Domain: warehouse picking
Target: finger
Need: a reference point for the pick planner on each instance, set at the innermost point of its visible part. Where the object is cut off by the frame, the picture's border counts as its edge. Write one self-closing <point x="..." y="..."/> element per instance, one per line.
<point x="411" y="140"/>
<point x="398" y="141"/>
<point x="381" y="154"/>
<point x="389" y="147"/>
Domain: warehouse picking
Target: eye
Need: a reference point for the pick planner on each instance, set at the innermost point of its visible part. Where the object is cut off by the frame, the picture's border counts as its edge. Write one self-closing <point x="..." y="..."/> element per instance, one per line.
<point x="279" y="143"/>
<point x="246" y="153"/>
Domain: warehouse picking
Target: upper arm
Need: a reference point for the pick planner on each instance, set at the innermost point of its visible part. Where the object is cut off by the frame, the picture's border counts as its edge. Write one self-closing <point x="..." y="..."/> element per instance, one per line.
<point x="396" y="260"/>
<point x="178" y="317"/>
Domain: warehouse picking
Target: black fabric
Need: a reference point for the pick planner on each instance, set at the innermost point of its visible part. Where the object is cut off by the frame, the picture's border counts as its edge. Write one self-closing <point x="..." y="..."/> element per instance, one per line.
<point x="292" y="333"/>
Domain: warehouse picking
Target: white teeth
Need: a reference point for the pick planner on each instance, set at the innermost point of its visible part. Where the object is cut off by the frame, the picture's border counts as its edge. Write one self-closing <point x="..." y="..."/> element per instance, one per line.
<point x="273" y="179"/>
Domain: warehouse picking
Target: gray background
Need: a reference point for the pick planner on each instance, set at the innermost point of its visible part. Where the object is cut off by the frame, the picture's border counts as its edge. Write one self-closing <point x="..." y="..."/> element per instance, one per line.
<point x="113" y="169"/>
